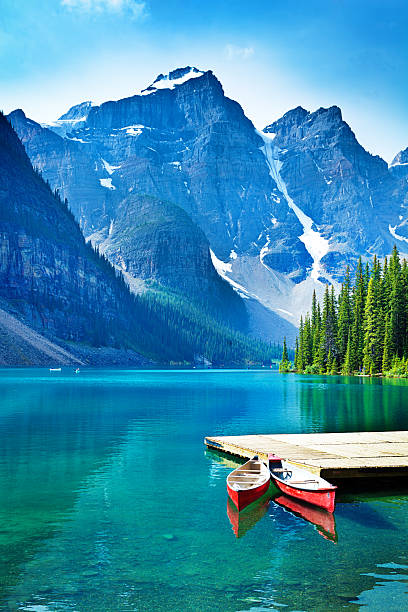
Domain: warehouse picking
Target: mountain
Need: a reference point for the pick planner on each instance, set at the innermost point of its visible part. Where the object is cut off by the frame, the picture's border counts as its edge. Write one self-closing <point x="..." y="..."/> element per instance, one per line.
<point x="283" y="210"/>
<point x="62" y="301"/>
<point x="158" y="148"/>
<point x="399" y="170"/>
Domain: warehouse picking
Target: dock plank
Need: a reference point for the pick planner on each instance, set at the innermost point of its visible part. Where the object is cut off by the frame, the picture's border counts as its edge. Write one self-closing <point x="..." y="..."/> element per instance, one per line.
<point x="345" y="455"/>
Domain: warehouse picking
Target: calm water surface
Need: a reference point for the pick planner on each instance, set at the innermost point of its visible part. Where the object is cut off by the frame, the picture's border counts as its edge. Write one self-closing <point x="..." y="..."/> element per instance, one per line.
<point x="109" y="501"/>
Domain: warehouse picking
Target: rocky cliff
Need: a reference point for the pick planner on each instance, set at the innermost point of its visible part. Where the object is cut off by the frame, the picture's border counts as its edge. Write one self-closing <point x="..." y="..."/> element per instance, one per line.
<point x="48" y="274"/>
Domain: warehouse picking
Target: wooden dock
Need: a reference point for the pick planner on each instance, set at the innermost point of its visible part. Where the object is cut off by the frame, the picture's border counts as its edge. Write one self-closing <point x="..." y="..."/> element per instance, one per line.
<point x="332" y="455"/>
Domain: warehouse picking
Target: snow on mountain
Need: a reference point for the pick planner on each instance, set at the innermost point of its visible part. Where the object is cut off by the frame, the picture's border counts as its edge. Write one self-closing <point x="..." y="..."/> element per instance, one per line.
<point x="172" y="79"/>
<point x="107" y="182"/>
<point x="74" y="118"/>
<point x="315" y="244"/>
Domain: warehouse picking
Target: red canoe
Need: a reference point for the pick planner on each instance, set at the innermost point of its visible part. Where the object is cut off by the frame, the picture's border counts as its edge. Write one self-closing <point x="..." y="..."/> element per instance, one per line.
<point x="248" y="483"/>
<point x="302" y="484"/>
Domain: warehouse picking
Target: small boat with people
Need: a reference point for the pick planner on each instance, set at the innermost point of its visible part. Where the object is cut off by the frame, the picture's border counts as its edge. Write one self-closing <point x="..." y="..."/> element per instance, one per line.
<point x="248" y="482"/>
<point x="301" y="483"/>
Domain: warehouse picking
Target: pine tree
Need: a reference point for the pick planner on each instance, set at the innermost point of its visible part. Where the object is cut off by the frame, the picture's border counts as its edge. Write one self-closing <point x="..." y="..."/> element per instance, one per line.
<point x="372" y="351"/>
<point x="285" y="365"/>
<point x="357" y="329"/>
<point x="329" y="362"/>
<point x="316" y="341"/>
<point x="300" y="365"/>
<point x="297" y="360"/>
<point x="396" y="306"/>
<point x="387" y="352"/>
<point x="307" y="343"/>
<point x="328" y="334"/>
<point x="346" y="368"/>
<point x="344" y="316"/>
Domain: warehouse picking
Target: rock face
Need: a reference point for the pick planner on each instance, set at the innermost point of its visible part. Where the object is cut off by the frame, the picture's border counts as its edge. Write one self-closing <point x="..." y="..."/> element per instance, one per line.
<point x="348" y="193"/>
<point x="48" y="274"/>
<point x="155" y="178"/>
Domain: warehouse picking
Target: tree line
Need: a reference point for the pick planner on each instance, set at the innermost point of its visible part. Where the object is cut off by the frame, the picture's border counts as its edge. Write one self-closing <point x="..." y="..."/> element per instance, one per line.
<point x="363" y="329"/>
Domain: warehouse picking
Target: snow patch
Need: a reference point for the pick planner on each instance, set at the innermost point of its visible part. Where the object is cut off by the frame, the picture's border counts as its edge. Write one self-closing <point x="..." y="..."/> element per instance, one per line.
<point x="107" y="182"/>
<point x="171" y="80"/>
<point x="315" y="244"/>
<point x="233" y="255"/>
<point x="133" y="130"/>
<point x="270" y="135"/>
<point x="222" y="268"/>
<point x="395" y="235"/>
<point x="396" y="163"/>
<point x="109" y="168"/>
<point x="286" y="312"/>
<point x="78" y="140"/>
<point x="264" y="251"/>
<point x="59" y="122"/>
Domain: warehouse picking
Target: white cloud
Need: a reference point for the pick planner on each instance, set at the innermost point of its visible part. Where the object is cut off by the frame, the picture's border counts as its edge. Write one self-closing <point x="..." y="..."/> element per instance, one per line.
<point x="133" y="7"/>
<point x="233" y="52"/>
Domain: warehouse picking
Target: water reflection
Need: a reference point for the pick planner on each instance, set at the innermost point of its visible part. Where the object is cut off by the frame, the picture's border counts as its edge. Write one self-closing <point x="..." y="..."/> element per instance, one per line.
<point x="243" y="521"/>
<point x="324" y="521"/>
<point x="339" y="404"/>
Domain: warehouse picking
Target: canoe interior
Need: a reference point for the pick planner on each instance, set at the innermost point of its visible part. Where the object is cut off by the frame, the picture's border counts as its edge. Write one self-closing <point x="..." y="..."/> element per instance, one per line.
<point x="252" y="474"/>
<point x="296" y="477"/>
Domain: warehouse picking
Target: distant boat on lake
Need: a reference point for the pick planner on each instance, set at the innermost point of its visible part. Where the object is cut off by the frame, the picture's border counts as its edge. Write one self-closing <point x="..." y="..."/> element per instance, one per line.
<point x="302" y="484"/>
<point x="55" y="369"/>
<point x="248" y="482"/>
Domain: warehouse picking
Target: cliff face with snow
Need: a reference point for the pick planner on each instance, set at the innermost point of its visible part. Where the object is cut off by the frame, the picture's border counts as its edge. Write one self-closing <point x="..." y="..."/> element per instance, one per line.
<point x="283" y="211"/>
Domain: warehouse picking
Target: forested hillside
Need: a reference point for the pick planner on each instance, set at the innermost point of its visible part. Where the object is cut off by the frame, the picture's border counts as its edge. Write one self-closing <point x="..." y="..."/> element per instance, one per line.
<point x="364" y="329"/>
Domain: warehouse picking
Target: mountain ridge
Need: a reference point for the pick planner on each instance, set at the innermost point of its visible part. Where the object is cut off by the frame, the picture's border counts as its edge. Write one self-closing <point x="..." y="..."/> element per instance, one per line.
<point x="284" y="214"/>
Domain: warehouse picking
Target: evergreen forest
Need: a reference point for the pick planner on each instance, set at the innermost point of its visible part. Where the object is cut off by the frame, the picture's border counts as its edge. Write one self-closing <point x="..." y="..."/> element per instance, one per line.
<point x="363" y="330"/>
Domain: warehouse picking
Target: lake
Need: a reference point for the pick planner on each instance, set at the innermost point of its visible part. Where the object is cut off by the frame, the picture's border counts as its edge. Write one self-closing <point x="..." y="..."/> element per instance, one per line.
<point x="109" y="500"/>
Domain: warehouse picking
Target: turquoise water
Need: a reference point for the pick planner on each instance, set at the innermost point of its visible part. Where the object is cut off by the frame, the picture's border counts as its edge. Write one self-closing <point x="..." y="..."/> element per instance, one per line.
<point x="110" y="502"/>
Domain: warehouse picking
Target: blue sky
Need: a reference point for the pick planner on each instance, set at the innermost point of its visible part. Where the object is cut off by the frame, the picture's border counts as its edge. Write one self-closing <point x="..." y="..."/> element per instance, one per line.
<point x="269" y="55"/>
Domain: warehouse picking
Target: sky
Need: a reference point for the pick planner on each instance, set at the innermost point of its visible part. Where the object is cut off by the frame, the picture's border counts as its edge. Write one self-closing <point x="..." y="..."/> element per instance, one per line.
<point x="269" y="55"/>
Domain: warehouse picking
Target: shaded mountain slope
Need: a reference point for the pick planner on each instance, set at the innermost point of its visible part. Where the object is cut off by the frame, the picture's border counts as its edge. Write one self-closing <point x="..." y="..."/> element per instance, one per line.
<point x="55" y="282"/>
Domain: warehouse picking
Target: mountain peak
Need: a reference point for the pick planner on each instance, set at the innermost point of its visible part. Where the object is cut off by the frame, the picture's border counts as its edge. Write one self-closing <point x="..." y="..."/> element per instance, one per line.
<point x="172" y="79"/>
<point x="332" y="114"/>
<point x="18" y="113"/>
<point x="401" y="159"/>
<point x="78" y="112"/>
